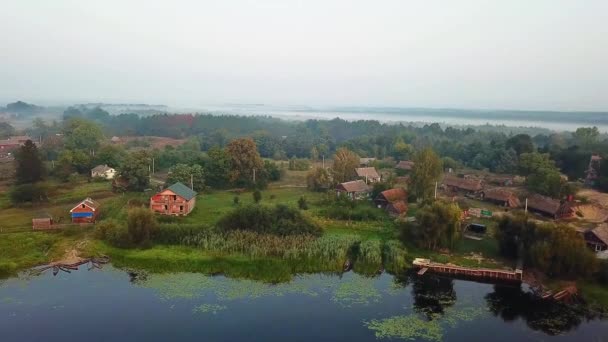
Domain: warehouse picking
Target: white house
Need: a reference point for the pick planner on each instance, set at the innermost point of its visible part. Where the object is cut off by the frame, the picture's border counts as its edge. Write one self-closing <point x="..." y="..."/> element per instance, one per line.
<point x="103" y="171"/>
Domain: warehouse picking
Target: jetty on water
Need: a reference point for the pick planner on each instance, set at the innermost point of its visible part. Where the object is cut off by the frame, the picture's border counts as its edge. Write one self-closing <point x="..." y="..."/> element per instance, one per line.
<point x="426" y="265"/>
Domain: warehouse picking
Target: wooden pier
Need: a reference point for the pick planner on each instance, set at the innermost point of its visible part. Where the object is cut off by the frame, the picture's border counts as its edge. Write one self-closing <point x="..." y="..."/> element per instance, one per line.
<point x="426" y="265"/>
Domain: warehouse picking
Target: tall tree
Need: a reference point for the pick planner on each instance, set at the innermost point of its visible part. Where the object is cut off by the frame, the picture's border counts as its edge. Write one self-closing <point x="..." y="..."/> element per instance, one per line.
<point x="521" y="143"/>
<point x="30" y="168"/>
<point x="345" y="163"/>
<point x="244" y="161"/>
<point x="586" y="136"/>
<point x="185" y="173"/>
<point x="425" y="172"/>
<point x="82" y="134"/>
<point x="217" y="167"/>
<point x="318" y="179"/>
<point x="437" y="225"/>
<point x="136" y="170"/>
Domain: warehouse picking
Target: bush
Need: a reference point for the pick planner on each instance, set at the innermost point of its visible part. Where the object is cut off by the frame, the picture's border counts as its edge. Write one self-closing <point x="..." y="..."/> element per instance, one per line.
<point x="299" y="164"/>
<point x="141" y="225"/>
<point x="113" y="233"/>
<point x="302" y="204"/>
<point x="33" y="193"/>
<point x="257" y="196"/>
<point x="236" y="200"/>
<point x="279" y="220"/>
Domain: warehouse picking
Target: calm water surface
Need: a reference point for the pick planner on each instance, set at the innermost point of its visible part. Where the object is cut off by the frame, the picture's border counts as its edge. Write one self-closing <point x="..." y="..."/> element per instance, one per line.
<point x="111" y="305"/>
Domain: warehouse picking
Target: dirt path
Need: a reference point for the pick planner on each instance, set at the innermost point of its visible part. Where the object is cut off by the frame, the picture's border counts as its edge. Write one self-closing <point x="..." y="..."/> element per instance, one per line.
<point x="72" y="254"/>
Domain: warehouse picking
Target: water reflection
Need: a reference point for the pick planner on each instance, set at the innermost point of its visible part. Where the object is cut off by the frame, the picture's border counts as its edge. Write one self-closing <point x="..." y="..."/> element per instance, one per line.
<point x="511" y="303"/>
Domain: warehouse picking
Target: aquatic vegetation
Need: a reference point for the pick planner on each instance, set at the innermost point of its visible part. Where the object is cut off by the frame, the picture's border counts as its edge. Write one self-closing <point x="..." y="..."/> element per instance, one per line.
<point x="357" y="291"/>
<point x="209" y="308"/>
<point x="409" y="327"/>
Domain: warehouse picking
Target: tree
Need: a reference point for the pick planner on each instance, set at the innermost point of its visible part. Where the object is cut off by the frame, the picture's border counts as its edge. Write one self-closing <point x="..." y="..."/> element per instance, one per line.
<point x="314" y="154"/>
<point x="345" y="163"/>
<point x="141" y="225"/>
<point x="185" y="173"/>
<point x="531" y="162"/>
<point x="558" y="250"/>
<point x="521" y="143"/>
<point x="111" y="155"/>
<point x="217" y="167"/>
<point x="72" y="161"/>
<point x="506" y="162"/>
<point x="425" y="172"/>
<point x="244" y="159"/>
<point x="6" y="130"/>
<point x="401" y="150"/>
<point x="136" y="170"/>
<point x="29" y="164"/>
<point x="437" y="225"/>
<point x="82" y="134"/>
<point x="318" y="179"/>
<point x="586" y="136"/>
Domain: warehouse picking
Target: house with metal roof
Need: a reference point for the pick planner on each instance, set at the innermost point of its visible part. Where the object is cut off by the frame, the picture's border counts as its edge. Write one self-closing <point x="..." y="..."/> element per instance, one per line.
<point x="177" y="199"/>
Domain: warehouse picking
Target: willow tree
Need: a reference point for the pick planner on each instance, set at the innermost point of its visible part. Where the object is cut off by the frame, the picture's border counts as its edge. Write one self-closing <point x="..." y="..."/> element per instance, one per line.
<point x="425" y="173"/>
<point x="345" y="163"/>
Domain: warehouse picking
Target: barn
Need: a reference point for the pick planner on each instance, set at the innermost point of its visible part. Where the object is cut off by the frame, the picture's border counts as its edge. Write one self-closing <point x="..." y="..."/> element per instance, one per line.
<point x="85" y="211"/>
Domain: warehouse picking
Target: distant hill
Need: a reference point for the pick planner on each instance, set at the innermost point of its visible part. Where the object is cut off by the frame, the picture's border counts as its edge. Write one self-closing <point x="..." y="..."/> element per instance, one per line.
<point x="21" y="108"/>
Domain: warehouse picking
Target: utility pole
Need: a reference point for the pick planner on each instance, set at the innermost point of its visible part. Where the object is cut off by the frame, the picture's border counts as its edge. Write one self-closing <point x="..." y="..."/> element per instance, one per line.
<point x="435" y="190"/>
<point x="152" y="165"/>
<point x="526" y="209"/>
<point x="253" y="176"/>
<point x="323" y="161"/>
<point x="192" y="182"/>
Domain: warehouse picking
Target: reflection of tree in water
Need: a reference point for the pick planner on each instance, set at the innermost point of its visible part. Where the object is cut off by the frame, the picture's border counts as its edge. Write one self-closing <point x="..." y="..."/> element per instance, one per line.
<point x="550" y="317"/>
<point x="432" y="294"/>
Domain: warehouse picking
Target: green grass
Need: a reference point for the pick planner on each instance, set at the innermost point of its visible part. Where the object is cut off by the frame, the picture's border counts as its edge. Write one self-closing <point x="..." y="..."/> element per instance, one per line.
<point x="594" y="293"/>
<point x="23" y="250"/>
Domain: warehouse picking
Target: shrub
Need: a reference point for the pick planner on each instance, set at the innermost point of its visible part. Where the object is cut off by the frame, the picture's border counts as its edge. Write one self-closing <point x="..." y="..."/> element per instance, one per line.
<point x="257" y="196"/>
<point x="302" y="204"/>
<point x="278" y="220"/>
<point x="36" y="192"/>
<point x="113" y="233"/>
<point x="236" y="200"/>
<point x="141" y="225"/>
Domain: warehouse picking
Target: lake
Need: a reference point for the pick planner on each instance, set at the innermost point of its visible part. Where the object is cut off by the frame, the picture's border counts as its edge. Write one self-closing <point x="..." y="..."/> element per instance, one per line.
<point x="113" y="305"/>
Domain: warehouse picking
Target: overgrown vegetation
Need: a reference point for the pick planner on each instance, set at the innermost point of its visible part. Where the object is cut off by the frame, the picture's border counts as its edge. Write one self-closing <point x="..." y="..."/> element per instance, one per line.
<point x="278" y="220"/>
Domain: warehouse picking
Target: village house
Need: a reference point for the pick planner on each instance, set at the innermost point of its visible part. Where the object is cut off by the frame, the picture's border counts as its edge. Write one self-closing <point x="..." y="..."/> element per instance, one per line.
<point x="549" y="207"/>
<point x="394" y="201"/>
<point x="85" y="211"/>
<point x="369" y="174"/>
<point x="103" y="171"/>
<point x="467" y="185"/>
<point x="597" y="238"/>
<point x="501" y="197"/>
<point x="366" y="161"/>
<point x="406" y="165"/>
<point x="12" y="143"/>
<point x="354" y="189"/>
<point x="177" y="199"/>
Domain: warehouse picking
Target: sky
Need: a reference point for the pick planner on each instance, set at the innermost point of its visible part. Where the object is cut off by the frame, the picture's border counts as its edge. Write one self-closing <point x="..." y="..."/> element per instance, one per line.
<point x="541" y="54"/>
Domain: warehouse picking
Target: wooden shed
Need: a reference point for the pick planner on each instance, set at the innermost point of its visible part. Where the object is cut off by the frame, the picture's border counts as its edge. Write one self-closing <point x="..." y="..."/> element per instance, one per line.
<point x="43" y="222"/>
<point x="85" y="211"/>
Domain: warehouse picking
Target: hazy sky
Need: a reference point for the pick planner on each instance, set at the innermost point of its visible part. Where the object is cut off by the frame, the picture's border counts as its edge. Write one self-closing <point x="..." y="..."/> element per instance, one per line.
<point x="524" y="54"/>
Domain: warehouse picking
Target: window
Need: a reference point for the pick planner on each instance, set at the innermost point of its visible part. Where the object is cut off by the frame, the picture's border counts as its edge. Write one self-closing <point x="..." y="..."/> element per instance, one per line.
<point x="83" y="206"/>
<point x="181" y="208"/>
